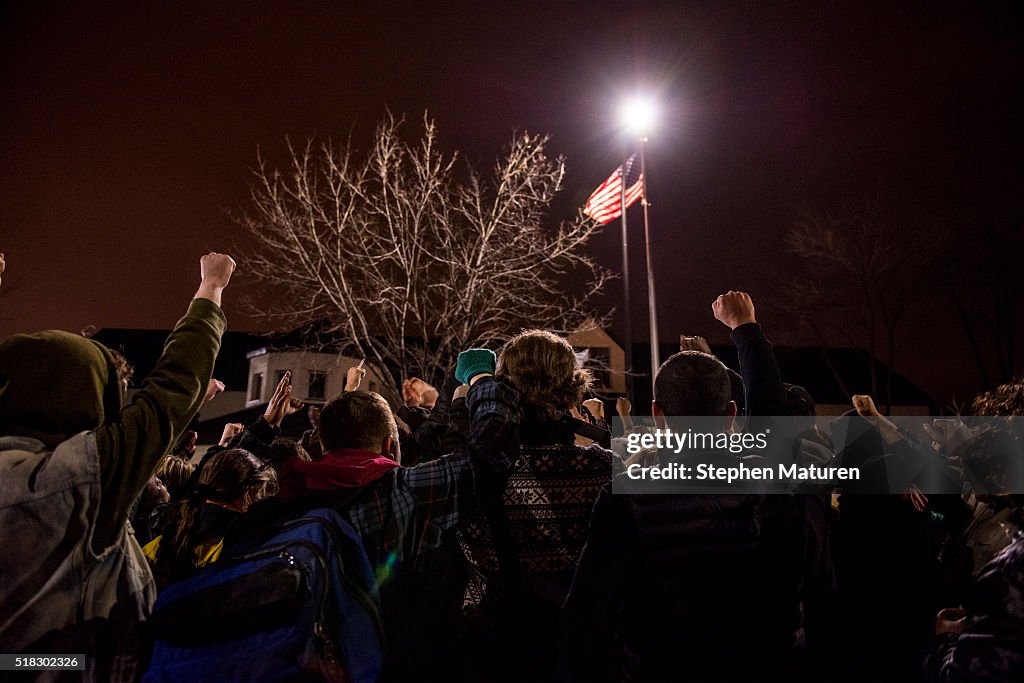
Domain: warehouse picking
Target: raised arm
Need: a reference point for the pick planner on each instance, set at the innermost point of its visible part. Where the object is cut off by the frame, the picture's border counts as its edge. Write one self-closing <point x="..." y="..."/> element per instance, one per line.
<point x="443" y="489"/>
<point x="130" y="446"/>
<point x="762" y="380"/>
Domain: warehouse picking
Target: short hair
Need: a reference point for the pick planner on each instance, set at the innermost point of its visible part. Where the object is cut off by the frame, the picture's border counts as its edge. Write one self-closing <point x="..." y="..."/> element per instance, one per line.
<point x="282" y="450"/>
<point x="800" y="400"/>
<point x="543" y="367"/>
<point x="356" y="419"/>
<point x="693" y="383"/>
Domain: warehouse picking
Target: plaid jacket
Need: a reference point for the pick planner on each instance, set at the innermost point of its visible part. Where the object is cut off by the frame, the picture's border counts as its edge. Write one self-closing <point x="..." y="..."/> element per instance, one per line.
<point x="406" y="510"/>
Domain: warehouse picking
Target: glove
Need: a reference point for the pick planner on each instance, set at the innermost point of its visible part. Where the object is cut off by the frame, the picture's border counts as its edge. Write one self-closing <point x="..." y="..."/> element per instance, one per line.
<point x="474" y="362"/>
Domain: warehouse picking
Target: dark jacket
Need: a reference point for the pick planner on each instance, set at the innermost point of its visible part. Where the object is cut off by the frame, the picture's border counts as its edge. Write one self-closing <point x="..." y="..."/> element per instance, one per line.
<point x="991" y="647"/>
<point x="707" y="586"/>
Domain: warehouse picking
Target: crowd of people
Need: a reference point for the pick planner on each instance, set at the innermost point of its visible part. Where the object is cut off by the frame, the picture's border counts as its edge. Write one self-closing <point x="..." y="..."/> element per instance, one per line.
<point x="473" y="534"/>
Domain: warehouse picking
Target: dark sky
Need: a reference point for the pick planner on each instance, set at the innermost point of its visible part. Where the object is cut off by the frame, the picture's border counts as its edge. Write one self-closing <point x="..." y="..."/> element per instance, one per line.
<point x="128" y="130"/>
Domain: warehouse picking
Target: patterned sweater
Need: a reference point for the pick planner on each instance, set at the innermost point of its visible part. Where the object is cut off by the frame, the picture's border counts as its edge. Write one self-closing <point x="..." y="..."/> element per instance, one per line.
<point x="545" y="515"/>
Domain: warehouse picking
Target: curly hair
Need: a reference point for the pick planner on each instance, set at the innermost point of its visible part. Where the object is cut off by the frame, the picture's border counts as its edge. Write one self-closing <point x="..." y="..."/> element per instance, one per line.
<point x="1005" y="400"/>
<point x="125" y="371"/>
<point x="542" y="366"/>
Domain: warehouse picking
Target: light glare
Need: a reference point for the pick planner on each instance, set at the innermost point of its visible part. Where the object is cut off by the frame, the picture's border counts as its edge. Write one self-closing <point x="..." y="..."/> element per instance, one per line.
<point x="639" y="115"/>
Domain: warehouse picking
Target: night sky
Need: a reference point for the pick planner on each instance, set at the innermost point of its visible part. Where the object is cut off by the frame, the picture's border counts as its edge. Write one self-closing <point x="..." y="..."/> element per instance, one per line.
<point x="129" y="132"/>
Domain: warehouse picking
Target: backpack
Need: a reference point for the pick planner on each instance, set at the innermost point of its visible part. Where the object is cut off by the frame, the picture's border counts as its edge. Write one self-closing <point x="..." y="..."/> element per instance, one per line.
<point x="294" y="599"/>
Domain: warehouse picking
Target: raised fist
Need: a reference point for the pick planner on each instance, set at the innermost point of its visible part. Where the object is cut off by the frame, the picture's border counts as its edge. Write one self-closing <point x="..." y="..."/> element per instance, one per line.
<point x="417" y="393"/>
<point x="733" y="309"/>
<point x="865" y="405"/>
<point x="473" y="363"/>
<point x="230" y="430"/>
<point x="410" y="392"/>
<point x="950" y="620"/>
<point x="354" y="377"/>
<point x="216" y="269"/>
<point x="596" y="407"/>
<point x="214" y="387"/>
<point x="623" y="407"/>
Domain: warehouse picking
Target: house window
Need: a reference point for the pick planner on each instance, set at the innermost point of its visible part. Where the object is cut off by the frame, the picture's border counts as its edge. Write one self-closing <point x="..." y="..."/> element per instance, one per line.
<point x="317" y="384"/>
<point x="257" y="387"/>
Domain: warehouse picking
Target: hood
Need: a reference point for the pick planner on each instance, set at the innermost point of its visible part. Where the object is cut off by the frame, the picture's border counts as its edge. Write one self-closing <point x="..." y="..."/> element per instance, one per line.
<point x="55" y="384"/>
<point x="341" y="468"/>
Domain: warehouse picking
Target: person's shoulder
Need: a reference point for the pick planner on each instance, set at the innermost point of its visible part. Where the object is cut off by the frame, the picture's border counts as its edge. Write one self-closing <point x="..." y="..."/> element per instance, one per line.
<point x="570" y="457"/>
<point x="606" y="456"/>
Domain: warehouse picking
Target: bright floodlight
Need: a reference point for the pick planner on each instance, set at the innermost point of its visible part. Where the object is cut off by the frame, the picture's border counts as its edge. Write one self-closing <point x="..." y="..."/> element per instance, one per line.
<point x="638" y="115"/>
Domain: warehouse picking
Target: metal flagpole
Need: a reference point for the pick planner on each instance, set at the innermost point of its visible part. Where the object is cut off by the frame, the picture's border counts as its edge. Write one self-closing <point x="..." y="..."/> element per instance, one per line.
<point x="625" y="285"/>
<point x="652" y="308"/>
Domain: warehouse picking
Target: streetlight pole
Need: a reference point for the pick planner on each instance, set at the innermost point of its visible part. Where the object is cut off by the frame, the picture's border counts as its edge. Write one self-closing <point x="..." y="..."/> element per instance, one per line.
<point x="625" y="287"/>
<point x="651" y="306"/>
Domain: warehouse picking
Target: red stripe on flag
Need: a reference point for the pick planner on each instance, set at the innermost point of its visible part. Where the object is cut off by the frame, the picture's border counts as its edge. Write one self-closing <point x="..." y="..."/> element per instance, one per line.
<point x="605" y="204"/>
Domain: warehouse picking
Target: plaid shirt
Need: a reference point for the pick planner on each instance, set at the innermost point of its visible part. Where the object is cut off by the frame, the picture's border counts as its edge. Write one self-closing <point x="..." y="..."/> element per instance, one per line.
<point x="406" y="510"/>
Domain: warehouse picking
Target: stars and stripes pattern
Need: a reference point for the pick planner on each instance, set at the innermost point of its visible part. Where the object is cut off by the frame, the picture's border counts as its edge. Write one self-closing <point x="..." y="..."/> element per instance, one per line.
<point x="605" y="204"/>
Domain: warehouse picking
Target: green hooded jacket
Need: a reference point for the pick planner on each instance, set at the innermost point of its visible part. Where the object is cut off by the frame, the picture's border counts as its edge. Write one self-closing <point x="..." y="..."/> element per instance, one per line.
<point x="72" y="462"/>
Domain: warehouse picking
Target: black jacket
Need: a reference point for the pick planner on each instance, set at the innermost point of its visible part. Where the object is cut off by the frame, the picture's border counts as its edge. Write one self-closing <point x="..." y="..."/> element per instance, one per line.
<point x="701" y="587"/>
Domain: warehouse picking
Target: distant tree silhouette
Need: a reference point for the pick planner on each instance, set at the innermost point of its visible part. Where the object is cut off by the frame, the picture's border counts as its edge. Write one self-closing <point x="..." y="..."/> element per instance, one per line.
<point x="861" y="272"/>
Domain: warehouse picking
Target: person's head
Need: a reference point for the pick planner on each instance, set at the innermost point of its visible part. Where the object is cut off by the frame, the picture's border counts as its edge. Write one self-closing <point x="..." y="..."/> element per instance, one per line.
<point x="55" y="384"/>
<point x="154" y="494"/>
<point x="282" y="450"/>
<point x="123" y="368"/>
<point x="803" y="406"/>
<point x="995" y="455"/>
<point x="693" y="383"/>
<point x="360" y="420"/>
<point x="174" y="472"/>
<point x="543" y="367"/>
<point x="233" y="479"/>
<point x="1006" y="400"/>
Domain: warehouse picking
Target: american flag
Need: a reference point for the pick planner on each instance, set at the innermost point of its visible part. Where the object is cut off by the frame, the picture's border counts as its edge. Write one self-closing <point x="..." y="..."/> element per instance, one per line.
<point x="605" y="204"/>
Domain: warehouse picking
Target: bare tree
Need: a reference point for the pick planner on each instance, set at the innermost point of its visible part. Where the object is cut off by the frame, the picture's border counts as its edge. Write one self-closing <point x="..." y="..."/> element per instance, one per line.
<point x="860" y="276"/>
<point x="405" y="258"/>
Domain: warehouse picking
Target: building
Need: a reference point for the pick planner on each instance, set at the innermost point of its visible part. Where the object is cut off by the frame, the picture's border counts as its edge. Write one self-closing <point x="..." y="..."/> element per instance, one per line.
<point x="602" y="355"/>
<point x="315" y="376"/>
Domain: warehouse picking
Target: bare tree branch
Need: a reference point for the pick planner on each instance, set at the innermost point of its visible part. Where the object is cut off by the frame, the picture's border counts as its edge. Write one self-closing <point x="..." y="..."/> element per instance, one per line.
<point x="408" y="259"/>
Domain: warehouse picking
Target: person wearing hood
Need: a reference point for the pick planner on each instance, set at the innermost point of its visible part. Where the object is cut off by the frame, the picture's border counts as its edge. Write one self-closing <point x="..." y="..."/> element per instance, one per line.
<point x="72" y="463"/>
<point x="400" y="513"/>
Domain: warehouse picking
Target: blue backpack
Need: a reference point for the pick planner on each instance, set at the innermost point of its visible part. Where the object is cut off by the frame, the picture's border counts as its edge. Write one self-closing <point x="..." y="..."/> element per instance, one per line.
<point x="293" y="600"/>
